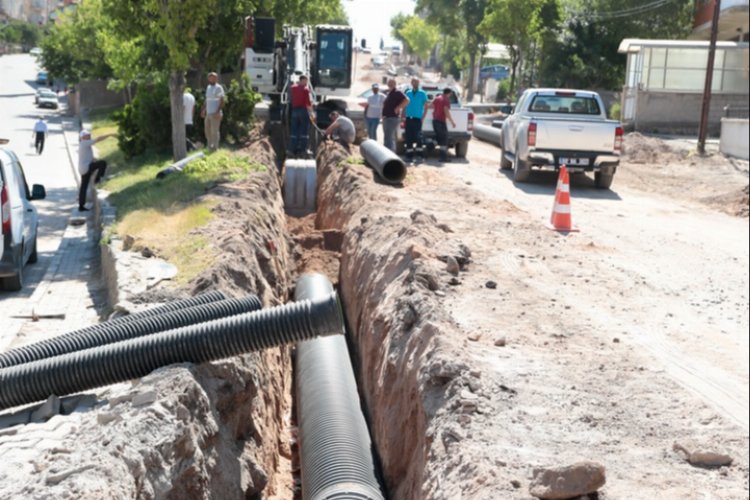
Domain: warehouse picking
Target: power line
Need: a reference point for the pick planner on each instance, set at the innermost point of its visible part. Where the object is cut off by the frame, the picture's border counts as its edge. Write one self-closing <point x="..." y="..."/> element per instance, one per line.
<point x="618" y="14"/>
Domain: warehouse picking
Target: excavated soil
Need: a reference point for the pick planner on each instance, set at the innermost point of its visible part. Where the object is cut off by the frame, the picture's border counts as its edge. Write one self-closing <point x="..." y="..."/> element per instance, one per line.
<point x="488" y="346"/>
<point x="672" y="167"/>
<point x="217" y="430"/>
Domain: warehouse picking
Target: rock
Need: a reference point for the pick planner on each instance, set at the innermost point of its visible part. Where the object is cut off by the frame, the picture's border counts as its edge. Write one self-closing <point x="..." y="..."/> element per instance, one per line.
<point x="127" y="242"/>
<point x="491" y="285"/>
<point x="515" y="483"/>
<point x="454" y="281"/>
<point x="147" y="252"/>
<point x="567" y="482"/>
<point x="451" y="265"/>
<point x="49" y="409"/>
<point x="500" y="342"/>
<point x="144" y="398"/>
<point x="77" y="221"/>
<point x="704" y="458"/>
<point x="104" y="417"/>
<point x="474" y="337"/>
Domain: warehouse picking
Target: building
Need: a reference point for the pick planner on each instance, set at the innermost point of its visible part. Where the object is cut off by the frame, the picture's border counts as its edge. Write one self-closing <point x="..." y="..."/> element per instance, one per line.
<point x="734" y="17"/>
<point x="35" y="11"/>
<point x="664" y="83"/>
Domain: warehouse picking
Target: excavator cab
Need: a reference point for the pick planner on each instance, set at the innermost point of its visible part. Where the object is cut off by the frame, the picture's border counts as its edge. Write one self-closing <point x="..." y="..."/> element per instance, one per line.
<point x="332" y="71"/>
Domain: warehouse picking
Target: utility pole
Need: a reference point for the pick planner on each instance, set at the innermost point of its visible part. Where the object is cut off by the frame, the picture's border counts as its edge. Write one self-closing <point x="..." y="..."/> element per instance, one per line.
<point x="709" y="79"/>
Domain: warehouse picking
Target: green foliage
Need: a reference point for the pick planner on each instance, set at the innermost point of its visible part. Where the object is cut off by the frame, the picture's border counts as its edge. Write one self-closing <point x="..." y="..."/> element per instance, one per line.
<point x="239" y="109"/>
<point x="615" y="111"/>
<point x="144" y="124"/>
<point x="419" y="36"/>
<point x="21" y="33"/>
<point x="504" y="91"/>
<point x="72" y="48"/>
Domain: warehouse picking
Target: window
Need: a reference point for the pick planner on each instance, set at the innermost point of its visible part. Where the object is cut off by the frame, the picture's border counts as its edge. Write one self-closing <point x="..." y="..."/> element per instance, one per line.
<point x="565" y="104"/>
<point x="334" y="53"/>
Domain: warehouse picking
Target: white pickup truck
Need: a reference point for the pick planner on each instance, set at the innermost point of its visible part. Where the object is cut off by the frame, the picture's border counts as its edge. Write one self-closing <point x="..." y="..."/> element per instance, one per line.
<point x="554" y="127"/>
<point x="458" y="136"/>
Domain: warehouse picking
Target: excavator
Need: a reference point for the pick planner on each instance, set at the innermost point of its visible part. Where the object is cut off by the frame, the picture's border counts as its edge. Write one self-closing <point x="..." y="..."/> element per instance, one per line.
<point x="324" y="54"/>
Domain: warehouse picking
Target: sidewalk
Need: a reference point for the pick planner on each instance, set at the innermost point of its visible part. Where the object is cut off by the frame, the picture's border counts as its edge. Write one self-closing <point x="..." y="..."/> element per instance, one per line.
<point x="71" y="285"/>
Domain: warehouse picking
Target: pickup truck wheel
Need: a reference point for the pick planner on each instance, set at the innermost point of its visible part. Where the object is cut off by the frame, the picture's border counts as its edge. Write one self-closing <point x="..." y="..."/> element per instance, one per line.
<point x="462" y="149"/>
<point x="521" y="169"/>
<point x="602" y="180"/>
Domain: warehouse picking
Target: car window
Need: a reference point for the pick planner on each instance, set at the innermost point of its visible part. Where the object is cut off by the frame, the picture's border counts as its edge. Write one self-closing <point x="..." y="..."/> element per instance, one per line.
<point x="11" y="180"/>
<point x="564" y="104"/>
<point x="23" y="187"/>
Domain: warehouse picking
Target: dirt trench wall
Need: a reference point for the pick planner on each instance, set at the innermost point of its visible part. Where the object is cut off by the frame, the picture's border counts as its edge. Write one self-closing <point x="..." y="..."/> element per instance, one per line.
<point x="392" y="271"/>
<point x="187" y="431"/>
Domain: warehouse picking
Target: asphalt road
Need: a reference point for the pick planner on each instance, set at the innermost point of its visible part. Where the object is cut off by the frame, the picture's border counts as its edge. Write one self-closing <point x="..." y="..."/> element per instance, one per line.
<point x="52" y="169"/>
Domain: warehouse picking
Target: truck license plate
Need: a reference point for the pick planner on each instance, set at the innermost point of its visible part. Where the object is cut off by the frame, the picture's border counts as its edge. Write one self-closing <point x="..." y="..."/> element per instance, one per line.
<point x="574" y="161"/>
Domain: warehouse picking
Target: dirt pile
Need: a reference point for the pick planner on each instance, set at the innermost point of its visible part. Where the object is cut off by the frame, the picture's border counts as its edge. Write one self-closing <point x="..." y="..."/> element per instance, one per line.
<point x="641" y="149"/>
<point x="209" y="431"/>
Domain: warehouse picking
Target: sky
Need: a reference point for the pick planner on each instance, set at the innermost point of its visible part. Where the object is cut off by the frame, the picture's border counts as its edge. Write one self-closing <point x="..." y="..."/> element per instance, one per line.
<point x="371" y="19"/>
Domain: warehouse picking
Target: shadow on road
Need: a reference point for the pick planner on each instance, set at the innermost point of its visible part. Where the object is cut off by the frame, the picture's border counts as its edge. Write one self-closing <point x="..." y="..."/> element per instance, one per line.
<point x="544" y="183"/>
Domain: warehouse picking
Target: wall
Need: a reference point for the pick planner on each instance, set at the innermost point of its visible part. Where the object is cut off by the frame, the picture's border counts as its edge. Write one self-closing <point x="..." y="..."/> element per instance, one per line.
<point x="734" y="137"/>
<point x="680" y="112"/>
<point x="93" y="94"/>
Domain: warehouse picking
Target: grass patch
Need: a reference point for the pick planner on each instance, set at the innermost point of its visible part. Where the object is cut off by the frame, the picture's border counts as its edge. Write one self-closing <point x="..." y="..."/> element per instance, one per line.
<point x="163" y="214"/>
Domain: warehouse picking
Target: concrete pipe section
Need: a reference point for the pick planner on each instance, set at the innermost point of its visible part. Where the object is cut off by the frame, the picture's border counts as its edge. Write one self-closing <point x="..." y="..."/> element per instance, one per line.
<point x="385" y="162"/>
<point x="335" y="448"/>
<point x="487" y="133"/>
<point x="300" y="187"/>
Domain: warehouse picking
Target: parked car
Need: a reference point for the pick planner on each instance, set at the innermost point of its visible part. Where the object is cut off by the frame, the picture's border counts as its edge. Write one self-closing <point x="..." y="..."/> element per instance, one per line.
<point x="554" y="127"/>
<point x="42" y="78"/>
<point x="47" y="100"/>
<point x="396" y="51"/>
<point x="458" y="136"/>
<point x="43" y="91"/>
<point x="378" y="60"/>
<point x="19" y="220"/>
<point x="36" y="51"/>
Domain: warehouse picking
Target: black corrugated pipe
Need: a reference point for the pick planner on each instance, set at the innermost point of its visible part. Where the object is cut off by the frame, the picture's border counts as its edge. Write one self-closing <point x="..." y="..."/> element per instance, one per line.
<point x="175" y="305"/>
<point x="487" y="133"/>
<point x="111" y="332"/>
<point x="336" y="453"/>
<point x="82" y="370"/>
<point x="385" y="162"/>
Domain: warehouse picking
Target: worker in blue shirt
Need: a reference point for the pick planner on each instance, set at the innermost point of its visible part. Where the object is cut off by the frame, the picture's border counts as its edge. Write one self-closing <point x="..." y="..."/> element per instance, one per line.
<point x="415" y="113"/>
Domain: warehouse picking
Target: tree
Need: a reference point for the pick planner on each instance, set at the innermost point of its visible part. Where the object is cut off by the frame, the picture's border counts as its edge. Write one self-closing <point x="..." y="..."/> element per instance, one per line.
<point x="72" y="48"/>
<point x="420" y="37"/>
<point x="512" y="23"/>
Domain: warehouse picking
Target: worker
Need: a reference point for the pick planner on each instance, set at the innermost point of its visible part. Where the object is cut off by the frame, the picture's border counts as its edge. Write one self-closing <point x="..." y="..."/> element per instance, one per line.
<point x="393" y="106"/>
<point x="373" y="111"/>
<point x="342" y="129"/>
<point x="415" y="113"/>
<point x="188" y="105"/>
<point x="212" y="111"/>
<point x="88" y="165"/>
<point x="40" y="133"/>
<point x="441" y="114"/>
<point x="302" y="115"/>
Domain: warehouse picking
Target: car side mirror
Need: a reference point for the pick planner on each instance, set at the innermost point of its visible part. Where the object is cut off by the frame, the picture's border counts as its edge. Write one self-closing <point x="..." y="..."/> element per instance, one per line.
<point x="38" y="192"/>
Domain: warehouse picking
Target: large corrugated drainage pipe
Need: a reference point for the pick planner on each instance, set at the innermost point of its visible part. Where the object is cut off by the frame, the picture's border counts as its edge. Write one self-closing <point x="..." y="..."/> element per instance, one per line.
<point x="82" y="370"/>
<point x="488" y="134"/>
<point x="336" y="453"/>
<point x="385" y="162"/>
<point x="110" y="331"/>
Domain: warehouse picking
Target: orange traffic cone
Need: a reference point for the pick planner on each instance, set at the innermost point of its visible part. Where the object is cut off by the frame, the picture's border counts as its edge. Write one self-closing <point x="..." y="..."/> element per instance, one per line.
<point x="561" y="219"/>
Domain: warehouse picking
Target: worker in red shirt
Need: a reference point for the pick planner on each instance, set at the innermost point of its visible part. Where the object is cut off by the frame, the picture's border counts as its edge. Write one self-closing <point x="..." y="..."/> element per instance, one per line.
<point x="302" y="114"/>
<point x="441" y="113"/>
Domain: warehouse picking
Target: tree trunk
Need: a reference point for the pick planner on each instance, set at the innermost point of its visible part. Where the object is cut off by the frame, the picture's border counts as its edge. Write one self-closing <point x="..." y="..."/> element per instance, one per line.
<point x="472" y="74"/>
<point x="176" y="89"/>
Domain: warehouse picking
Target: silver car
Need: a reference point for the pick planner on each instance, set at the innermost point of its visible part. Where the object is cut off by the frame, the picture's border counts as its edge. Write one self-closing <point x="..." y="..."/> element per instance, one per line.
<point x="19" y="220"/>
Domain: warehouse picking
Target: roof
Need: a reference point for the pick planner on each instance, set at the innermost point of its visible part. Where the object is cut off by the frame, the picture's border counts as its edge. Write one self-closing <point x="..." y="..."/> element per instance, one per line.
<point x="629" y="45"/>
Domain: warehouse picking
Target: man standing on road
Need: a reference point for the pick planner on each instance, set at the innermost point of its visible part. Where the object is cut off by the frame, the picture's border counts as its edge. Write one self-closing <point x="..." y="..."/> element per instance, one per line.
<point x="212" y="111"/>
<point x="302" y="114"/>
<point x="393" y="106"/>
<point x="415" y="112"/>
<point x="373" y="111"/>
<point x="342" y="129"/>
<point x="88" y="165"/>
<point x="188" y="103"/>
<point x="441" y="111"/>
<point x="40" y="132"/>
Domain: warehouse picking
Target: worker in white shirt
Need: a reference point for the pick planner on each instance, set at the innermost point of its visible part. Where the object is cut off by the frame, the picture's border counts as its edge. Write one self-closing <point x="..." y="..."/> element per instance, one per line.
<point x="40" y="133"/>
<point x="188" y="103"/>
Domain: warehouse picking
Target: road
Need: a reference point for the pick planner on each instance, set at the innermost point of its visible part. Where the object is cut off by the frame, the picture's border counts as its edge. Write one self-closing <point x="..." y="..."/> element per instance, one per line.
<point x="52" y="169"/>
